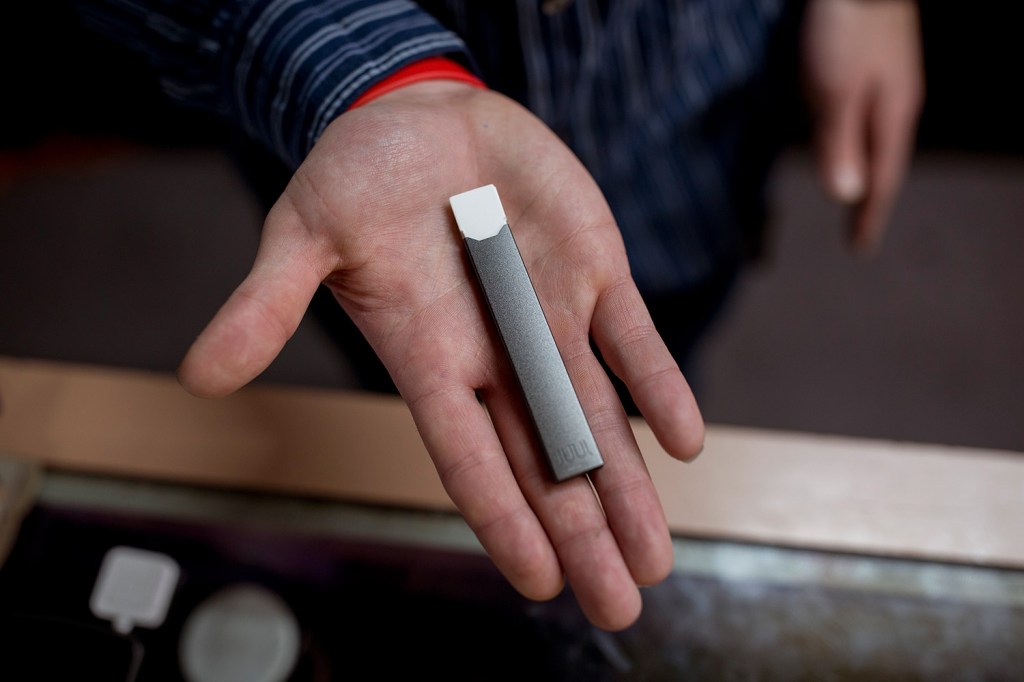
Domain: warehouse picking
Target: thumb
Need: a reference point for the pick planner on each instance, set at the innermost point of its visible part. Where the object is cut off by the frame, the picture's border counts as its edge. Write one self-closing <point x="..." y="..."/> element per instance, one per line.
<point x="250" y="329"/>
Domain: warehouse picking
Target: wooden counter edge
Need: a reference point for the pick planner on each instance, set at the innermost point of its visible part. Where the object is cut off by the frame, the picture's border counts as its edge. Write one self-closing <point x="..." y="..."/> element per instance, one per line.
<point x="800" y="490"/>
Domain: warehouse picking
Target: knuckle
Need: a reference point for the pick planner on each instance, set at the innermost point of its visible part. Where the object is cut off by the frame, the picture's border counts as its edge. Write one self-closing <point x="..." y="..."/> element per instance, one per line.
<point x="575" y="522"/>
<point x="635" y="334"/>
<point x="624" y="489"/>
<point x="658" y="375"/>
<point x="605" y="420"/>
<point x="279" y="328"/>
<point x="462" y="468"/>
<point x="497" y="520"/>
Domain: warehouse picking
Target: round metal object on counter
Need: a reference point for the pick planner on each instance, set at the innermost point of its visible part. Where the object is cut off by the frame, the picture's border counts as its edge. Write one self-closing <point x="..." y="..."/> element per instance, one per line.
<point x="243" y="633"/>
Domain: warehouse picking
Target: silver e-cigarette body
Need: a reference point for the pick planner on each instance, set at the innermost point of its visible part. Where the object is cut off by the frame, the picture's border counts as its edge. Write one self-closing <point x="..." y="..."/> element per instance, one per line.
<point x="561" y="426"/>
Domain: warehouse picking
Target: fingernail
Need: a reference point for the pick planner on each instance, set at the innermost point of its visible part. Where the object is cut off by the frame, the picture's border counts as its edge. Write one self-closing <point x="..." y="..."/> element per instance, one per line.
<point x="848" y="185"/>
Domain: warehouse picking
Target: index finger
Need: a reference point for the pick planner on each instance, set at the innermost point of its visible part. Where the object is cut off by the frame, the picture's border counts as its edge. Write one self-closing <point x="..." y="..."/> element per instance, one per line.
<point x="892" y="124"/>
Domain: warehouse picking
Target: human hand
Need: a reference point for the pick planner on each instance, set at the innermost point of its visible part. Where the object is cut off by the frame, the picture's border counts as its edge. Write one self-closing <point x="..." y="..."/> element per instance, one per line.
<point x="367" y="214"/>
<point x="863" y="69"/>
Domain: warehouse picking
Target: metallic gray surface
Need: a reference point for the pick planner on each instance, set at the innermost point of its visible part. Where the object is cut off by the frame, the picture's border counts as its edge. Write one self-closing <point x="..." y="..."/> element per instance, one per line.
<point x="561" y="425"/>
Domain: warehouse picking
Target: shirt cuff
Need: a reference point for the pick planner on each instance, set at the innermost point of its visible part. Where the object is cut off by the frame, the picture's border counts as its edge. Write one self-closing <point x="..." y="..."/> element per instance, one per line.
<point x="293" y="66"/>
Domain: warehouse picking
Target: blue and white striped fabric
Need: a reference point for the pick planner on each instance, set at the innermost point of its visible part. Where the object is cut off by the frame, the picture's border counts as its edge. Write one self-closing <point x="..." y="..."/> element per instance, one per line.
<point x="659" y="110"/>
<point x="280" y="69"/>
<point x="657" y="97"/>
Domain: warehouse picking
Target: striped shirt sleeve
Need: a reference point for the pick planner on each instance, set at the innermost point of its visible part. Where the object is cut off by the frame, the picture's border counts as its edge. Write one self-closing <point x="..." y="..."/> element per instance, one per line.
<point x="282" y="70"/>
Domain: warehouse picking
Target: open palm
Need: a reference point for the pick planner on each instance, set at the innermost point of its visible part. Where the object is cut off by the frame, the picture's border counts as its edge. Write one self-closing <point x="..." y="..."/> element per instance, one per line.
<point x="367" y="215"/>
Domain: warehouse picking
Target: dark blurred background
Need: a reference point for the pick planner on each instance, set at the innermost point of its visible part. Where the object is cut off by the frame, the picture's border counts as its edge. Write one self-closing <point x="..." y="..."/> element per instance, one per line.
<point x="124" y="225"/>
<point x="58" y="78"/>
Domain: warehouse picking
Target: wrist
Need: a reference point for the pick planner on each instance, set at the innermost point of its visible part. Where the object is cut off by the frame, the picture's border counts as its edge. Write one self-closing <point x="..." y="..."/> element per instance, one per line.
<point x="429" y="69"/>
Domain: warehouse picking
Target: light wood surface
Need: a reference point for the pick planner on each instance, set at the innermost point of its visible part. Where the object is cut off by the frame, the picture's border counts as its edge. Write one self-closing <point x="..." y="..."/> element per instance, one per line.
<point x="800" y="490"/>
